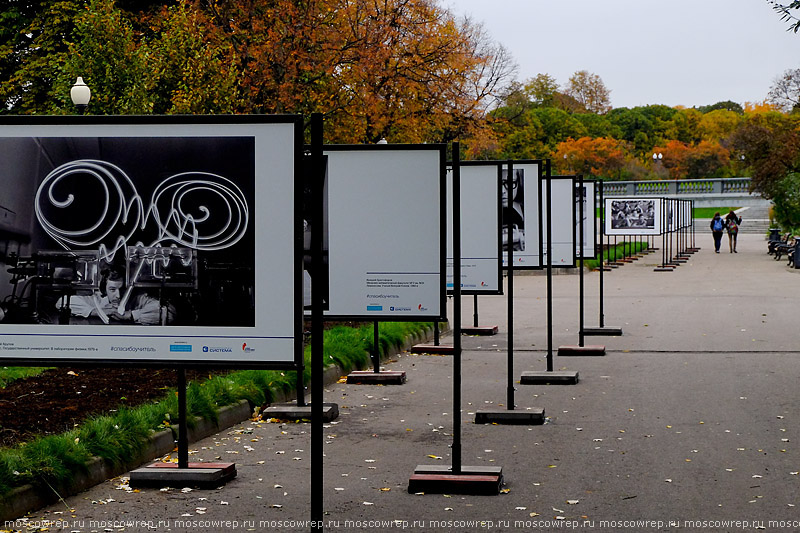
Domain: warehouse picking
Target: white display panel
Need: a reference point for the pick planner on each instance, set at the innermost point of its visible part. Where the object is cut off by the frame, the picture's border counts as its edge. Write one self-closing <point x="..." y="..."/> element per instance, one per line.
<point x="154" y="240"/>
<point x="481" y="271"/>
<point x="562" y="229"/>
<point x="589" y="209"/>
<point x="633" y="216"/>
<point x="522" y="214"/>
<point x="386" y="232"/>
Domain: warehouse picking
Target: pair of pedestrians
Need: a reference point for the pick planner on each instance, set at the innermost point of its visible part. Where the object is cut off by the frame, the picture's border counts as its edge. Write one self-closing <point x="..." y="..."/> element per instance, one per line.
<point x="730" y="224"/>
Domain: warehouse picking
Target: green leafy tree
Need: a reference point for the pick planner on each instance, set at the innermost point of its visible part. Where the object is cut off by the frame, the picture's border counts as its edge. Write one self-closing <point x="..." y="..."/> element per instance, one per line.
<point x="34" y="46"/>
<point x="726" y="105"/>
<point x="786" y="201"/>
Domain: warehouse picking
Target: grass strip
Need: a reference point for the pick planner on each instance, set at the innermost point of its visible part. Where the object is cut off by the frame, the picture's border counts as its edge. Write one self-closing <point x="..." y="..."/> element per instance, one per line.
<point x="120" y="437"/>
<point x="620" y="251"/>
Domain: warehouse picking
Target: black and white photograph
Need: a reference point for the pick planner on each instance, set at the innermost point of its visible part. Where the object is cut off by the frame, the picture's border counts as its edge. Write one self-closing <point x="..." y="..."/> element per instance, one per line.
<point x="155" y="235"/>
<point x="144" y="231"/>
<point x="632" y="216"/>
<point x="521" y="214"/>
<point x="513" y="193"/>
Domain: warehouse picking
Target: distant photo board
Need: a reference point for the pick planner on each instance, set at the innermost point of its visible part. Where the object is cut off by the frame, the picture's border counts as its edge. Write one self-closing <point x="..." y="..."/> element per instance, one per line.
<point x="562" y="210"/>
<point x="521" y="215"/>
<point x="481" y="207"/>
<point x="152" y="240"/>
<point x="386" y="232"/>
<point x="633" y="216"/>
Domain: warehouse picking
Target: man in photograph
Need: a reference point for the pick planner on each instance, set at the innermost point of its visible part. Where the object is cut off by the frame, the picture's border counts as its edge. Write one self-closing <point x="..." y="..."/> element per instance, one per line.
<point x="139" y="307"/>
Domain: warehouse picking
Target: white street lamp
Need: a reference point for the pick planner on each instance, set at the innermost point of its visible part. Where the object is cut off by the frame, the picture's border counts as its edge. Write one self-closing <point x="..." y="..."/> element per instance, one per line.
<point x="80" y="94"/>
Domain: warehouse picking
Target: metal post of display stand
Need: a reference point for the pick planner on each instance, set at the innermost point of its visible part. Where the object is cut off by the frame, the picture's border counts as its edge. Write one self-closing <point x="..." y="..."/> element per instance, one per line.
<point x="550" y="376"/>
<point x="602" y="329"/>
<point x="476" y="329"/>
<point x="580" y="349"/>
<point x="183" y="473"/>
<point x="664" y="266"/>
<point x="376" y="376"/>
<point x="317" y="331"/>
<point x="509" y="415"/>
<point x="456" y="479"/>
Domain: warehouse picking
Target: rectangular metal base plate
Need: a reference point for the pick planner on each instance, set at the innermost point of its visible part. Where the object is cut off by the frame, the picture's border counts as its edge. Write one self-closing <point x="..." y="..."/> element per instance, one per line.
<point x="472" y="484"/>
<point x="556" y="377"/>
<point x="534" y="416"/>
<point x="604" y="331"/>
<point x="370" y="377"/>
<point x="479" y="330"/>
<point x="201" y="475"/>
<point x="582" y="351"/>
<point x="330" y="411"/>
<point x="437" y="349"/>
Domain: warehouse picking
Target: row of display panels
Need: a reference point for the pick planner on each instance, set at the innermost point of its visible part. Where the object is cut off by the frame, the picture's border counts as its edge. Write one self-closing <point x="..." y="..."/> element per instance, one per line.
<point x="646" y="216"/>
<point x="153" y="240"/>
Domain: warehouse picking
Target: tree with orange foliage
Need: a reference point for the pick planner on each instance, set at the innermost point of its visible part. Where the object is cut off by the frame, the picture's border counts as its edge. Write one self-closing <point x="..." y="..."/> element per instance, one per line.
<point x="591" y="157"/>
<point x="404" y="70"/>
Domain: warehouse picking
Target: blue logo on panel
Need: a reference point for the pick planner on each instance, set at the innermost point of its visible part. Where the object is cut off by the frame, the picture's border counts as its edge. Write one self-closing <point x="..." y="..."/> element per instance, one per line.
<point x="180" y="347"/>
<point x="374" y="308"/>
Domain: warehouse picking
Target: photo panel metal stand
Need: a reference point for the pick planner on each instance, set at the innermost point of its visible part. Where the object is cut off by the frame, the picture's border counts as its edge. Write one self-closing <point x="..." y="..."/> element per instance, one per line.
<point x="578" y="200"/>
<point x="510" y="415"/>
<point x="314" y="229"/>
<point x="551" y="376"/>
<point x="376" y="376"/>
<point x="135" y="267"/>
<point x="456" y="478"/>
<point x="602" y="329"/>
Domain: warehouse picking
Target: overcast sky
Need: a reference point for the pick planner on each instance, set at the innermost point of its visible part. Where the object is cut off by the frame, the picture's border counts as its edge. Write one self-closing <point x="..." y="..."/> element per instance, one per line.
<point x="672" y="52"/>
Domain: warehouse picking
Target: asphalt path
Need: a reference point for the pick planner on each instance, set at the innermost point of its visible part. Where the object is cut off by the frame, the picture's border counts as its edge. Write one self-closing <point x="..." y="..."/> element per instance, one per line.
<point x="688" y="423"/>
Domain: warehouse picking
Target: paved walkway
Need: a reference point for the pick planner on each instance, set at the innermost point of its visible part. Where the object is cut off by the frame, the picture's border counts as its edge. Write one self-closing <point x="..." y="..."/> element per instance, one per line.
<point x="690" y="420"/>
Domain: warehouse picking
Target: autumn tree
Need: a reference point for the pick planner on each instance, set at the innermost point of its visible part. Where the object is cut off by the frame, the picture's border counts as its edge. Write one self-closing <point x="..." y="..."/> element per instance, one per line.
<point x="770" y="142"/>
<point x="598" y="157"/>
<point x="589" y="90"/>
<point x="718" y="124"/>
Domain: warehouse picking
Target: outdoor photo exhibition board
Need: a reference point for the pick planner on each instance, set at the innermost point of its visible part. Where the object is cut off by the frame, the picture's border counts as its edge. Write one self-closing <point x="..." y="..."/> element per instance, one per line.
<point x="563" y="213"/>
<point x="589" y="210"/>
<point x="522" y="214"/>
<point x="481" y="271"/>
<point x="154" y="240"/>
<point x="386" y="232"/>
<point x="633" y="216"/>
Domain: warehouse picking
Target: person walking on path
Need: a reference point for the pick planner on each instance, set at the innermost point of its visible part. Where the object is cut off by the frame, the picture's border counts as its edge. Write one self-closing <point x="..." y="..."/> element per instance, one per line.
<point x="732" y="223"/>
<point x="717" y="227"/>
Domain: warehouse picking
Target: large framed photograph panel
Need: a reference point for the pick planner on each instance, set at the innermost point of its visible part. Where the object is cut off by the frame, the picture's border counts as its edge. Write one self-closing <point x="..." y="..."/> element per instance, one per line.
<point x="151" y="240"/>
<point x="386" y="223"/>
<point x="522" y="213"/>
<point x="586" y="210"/>
<point x="633" y="216"/>
<point x="481" y="209"/>
<point x="562" y="210"/>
